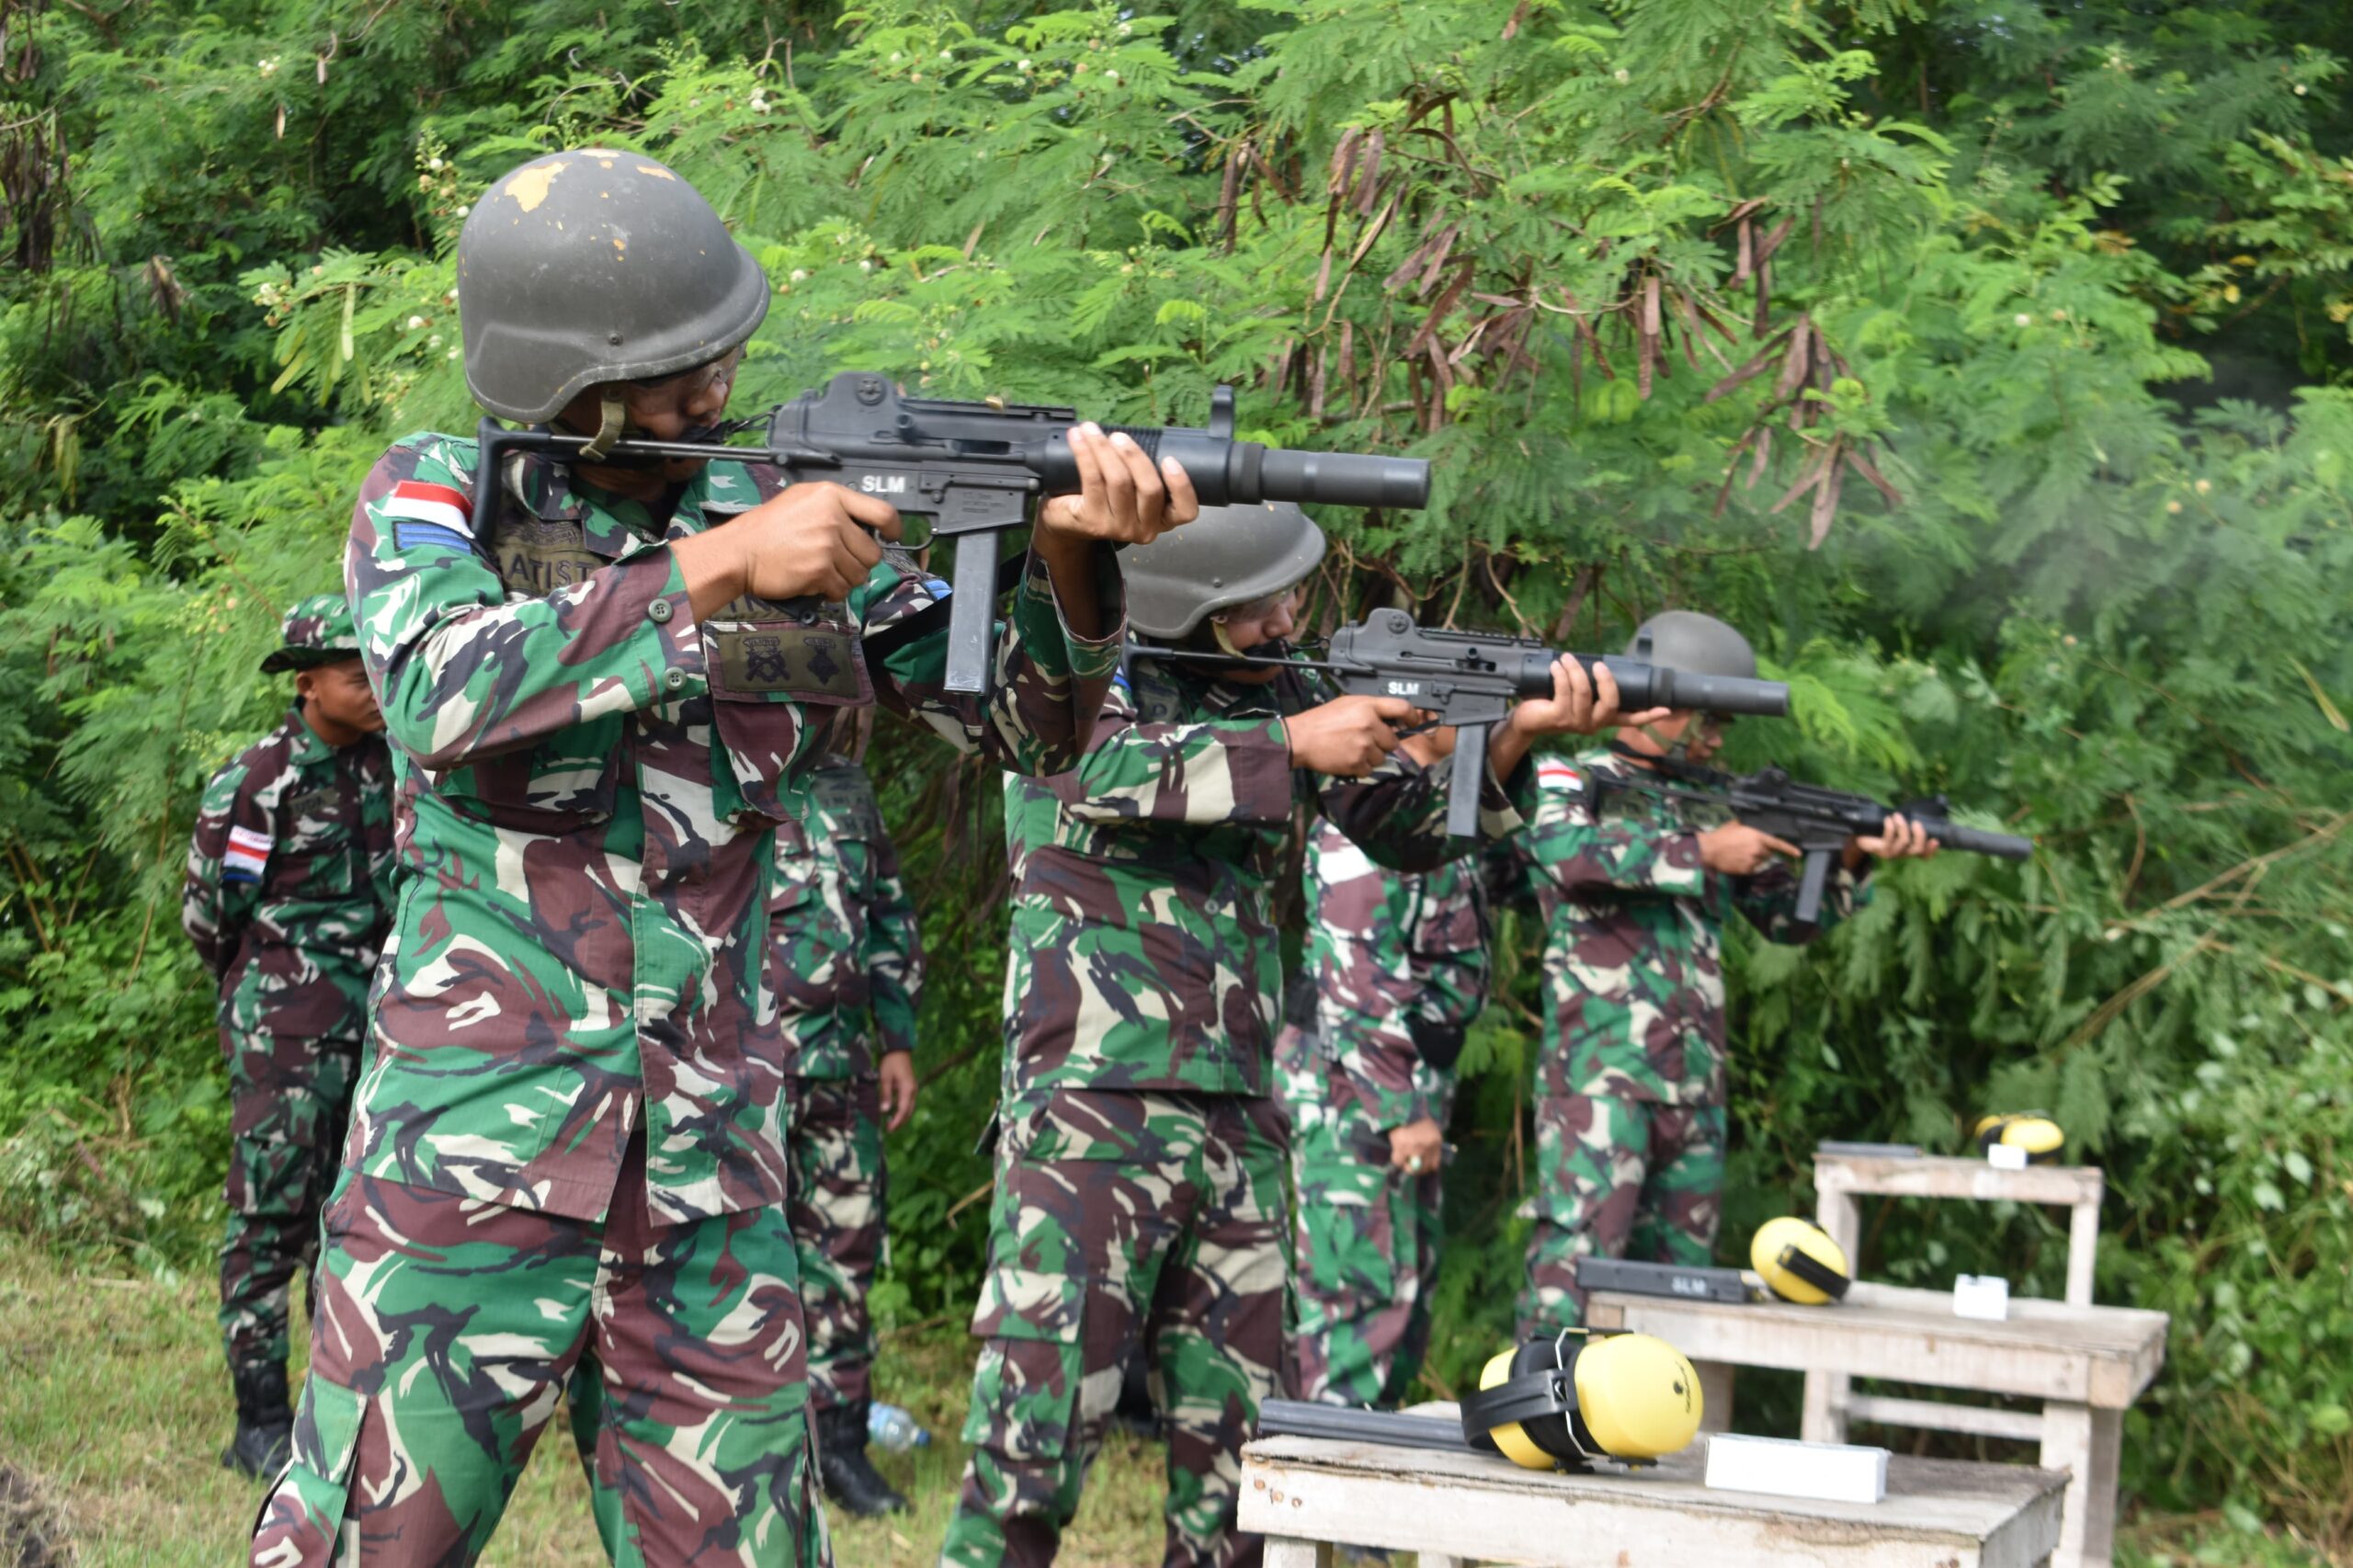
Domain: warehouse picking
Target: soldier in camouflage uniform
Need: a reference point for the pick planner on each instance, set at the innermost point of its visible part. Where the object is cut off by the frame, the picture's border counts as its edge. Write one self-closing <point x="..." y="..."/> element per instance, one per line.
<point x="287" y="898"/>
<point x="847" y="966"/>
<point x="1634" y="891"/>
<point x="568" y="1138"/>
<point x="1140" y="1164"/>
<point x="1398" y="964"/>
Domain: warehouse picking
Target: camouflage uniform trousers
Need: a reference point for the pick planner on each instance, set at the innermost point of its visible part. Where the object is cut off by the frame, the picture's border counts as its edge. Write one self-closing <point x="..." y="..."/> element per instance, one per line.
<point x="446" y="1328"/>
<point x="835" y="1211"/>
<point x="1367" y="1238"/>
<point x="1622" y="1178"/>
<point x="288" y="1101"/>
<point x="836" y="1207"/>
<point x="1123" y="1220"/>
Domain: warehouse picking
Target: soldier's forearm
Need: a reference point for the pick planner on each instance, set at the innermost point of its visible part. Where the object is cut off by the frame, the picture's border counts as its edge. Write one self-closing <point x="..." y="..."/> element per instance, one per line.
<point x="1071" y="564"/>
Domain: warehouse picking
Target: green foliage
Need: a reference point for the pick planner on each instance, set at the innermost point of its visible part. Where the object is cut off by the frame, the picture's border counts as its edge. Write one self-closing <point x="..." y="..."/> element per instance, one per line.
<point x="1884" y="330"/>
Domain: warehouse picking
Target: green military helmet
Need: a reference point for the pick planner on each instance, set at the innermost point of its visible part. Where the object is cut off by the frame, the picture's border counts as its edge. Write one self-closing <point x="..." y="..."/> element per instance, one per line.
<point x="1227" y="556"/>
<point x="595" y="266"/>
<point x="317" y="630"/>
<point x="1686" y="640"/>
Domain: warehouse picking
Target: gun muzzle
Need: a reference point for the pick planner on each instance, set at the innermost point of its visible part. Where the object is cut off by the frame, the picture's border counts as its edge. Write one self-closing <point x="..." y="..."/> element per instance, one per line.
<point x="1343" y="479"/>
<point x="1976" y="841"/>
<point x="1243" y="473"/>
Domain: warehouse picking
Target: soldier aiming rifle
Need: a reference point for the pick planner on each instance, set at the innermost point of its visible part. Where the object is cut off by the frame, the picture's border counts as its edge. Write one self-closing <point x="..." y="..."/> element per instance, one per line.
<point x="1138" y="1196"/>
<point x="571" y="1145"/>
<point x="1634" y="889"/>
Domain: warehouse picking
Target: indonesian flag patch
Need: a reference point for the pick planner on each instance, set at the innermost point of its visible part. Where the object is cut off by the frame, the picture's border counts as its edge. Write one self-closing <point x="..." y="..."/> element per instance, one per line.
<point x="248" y="853"/>
<point x="424" y="513"/>
<point x="1552" y="773"/>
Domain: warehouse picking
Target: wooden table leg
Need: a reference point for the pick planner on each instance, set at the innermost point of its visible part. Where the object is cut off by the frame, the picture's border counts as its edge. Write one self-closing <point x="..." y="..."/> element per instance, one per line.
<point x="2086" y="1443"/>
<point x="1282" y="1552"/>
<point x="1716" y="1394"/>
<point x="1823" y="1418"/>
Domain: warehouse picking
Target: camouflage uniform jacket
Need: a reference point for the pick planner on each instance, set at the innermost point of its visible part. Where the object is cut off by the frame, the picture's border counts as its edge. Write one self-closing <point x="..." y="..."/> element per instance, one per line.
<point x="846" y="960"/>
<point x="1633" y="935"/>
<point x="1145" y="954"/>
<point x="592" y="781"/>
<point x="1391" y="952"/>
<point x="289" y="877"/>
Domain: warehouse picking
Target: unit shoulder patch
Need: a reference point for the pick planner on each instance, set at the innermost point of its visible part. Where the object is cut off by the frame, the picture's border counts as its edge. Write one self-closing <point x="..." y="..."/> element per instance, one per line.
<point x="247" y="855"/>
<point x="1552" y="773"/>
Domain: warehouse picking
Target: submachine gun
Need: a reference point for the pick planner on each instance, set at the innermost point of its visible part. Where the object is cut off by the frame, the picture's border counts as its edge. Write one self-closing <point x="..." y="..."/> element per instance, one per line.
<point x="1817" y="819"/>
<point x="1469" y="680"/>
<point x="974" y="469"/>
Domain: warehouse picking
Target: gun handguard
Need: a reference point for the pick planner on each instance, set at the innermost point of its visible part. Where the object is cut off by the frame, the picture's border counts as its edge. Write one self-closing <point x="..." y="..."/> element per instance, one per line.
<point x="977" y="468"/>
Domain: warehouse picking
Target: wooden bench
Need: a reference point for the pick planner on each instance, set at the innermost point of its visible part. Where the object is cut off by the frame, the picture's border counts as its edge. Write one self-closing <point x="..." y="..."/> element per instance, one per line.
<point x="1307" y="1493"/>
<point x="2085" y="1363"/>
<point x="1840" y="1179"/>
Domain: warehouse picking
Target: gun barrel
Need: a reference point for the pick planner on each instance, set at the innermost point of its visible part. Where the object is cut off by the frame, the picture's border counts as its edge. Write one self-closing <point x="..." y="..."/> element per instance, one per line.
<point x="1643" y="685"/>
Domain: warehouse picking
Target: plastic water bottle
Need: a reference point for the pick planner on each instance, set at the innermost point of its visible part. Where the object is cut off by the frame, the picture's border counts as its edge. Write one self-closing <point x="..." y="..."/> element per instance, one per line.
<point x="894" y="1430"/>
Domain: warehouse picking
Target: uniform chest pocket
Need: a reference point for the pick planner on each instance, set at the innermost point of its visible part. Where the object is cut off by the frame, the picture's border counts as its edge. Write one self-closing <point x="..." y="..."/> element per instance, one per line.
<point x="314" y="852"/>
<point x="821" y="662"/>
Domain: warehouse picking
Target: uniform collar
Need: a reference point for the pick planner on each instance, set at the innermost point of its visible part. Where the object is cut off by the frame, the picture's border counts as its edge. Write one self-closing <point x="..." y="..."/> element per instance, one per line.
<point x="304" y="746"/>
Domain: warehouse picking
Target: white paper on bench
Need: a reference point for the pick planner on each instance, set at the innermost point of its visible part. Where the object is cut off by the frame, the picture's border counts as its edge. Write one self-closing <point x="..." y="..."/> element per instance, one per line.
<point x="1983" y="1296"/>
<point x="1835" y="1473"/>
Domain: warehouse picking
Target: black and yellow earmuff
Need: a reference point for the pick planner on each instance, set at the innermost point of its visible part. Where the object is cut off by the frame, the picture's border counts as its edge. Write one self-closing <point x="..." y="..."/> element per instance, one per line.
<point x="1561" y="1403"/>
<point x="2038" y="1135"/>
<point x="1798" y="1262"/>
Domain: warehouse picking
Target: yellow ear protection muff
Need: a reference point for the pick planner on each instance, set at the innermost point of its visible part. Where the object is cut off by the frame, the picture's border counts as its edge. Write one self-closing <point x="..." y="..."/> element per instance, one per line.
<point x="2038" y="1135"/>
<point x="1798" y="1262"/>
<point x="1561" y="1403"/>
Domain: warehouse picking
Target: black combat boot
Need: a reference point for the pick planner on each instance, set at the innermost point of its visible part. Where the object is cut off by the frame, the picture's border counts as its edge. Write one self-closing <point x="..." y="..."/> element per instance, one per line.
<point x="264" y="1439"/>
<point x="850" y="1477"/>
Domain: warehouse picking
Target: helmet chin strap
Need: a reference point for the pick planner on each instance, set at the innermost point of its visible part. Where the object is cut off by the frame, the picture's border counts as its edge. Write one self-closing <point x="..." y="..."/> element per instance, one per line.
<point x="1678" y="748"/>
<point x="608" y="430"/>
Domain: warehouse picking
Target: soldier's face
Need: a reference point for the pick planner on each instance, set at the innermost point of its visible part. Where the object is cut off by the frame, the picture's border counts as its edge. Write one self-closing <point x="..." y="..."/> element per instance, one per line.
<point x="677" y="407"/>
<point x="1706" y="734"/>
<point x="1702" y="735"/>
<point x="1253" y="626"/>
<point x="339" y="694"/>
